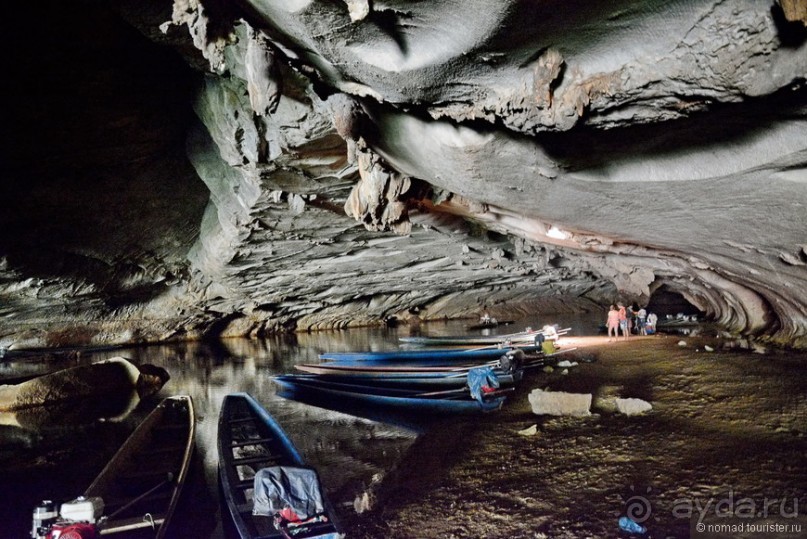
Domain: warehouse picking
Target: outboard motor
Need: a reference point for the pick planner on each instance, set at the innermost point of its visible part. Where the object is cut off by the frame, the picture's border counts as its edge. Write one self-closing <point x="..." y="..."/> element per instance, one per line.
<point x="74" y="530"/>
<point x="44" y="517"/>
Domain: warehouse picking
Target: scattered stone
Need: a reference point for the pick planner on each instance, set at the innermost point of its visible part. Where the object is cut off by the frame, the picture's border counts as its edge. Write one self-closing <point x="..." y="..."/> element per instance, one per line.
<point x="548" y="369"/>
<point x="758" y="348"/>
<point x="363" y="502"/>
<point x="682" y="343"/>
<point x="529" y="431"/>
<point x="565" y="371"/>
<point x="567" y="363"/>
<point x="632" y="406"/>
<point x="560" y="403"/>
<point x="708" y="348"/>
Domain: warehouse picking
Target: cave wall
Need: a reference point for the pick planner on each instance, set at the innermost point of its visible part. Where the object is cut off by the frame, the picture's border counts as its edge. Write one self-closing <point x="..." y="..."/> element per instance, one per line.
<point x="349" y="162"/>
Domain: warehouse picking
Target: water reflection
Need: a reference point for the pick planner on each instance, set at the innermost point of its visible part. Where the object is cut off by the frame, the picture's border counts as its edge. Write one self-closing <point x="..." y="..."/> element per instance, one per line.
<point x="57" y="455"/>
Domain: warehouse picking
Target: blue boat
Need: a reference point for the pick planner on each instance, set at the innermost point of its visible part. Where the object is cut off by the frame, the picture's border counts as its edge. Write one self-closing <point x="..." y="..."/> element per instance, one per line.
<point x="520" y="339"/>
<point x="426" y="356"/>
<point x="418" y="381"/>
<point x="412" y="401"/>
<point x="379" y="370"/>
<point x="262" y="472"/>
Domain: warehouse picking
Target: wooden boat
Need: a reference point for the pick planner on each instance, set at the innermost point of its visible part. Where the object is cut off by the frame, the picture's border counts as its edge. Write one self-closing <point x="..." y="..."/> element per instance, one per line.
<point x="437" y="402"/>
<point x="250" y="442"/>
<point x="338" y="368"/>
<point x="461" y="354"/>
<point x="419" y="381"/>
<point x="136" y="493"/>
<point x="146" y="475"/>
<point x="511" y="339"/>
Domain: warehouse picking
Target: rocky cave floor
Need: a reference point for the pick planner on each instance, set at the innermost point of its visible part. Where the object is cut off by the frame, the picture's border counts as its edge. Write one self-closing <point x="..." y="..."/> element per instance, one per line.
<point x="725" y="426"/>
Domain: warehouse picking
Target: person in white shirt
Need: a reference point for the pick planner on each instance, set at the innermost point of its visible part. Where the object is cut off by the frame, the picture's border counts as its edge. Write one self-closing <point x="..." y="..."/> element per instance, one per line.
<point x="641" y="318"/>
<point x="651" y="320"/>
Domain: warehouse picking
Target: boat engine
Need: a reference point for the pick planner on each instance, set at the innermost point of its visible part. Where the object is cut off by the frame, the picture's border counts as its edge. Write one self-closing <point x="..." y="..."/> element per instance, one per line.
<point x="44" y="517"/>
<point x="73" y="530"/>
<point x="76" y="519"/>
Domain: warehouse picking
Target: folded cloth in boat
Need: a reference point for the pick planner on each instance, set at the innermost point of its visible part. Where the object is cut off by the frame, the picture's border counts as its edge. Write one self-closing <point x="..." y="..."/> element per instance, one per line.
<point x="281" y="487"/>
<point x="481" y="376"/>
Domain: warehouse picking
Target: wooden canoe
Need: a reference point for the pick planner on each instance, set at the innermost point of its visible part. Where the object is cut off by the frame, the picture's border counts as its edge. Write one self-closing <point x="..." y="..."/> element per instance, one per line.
<point x="440" y="354"/>
<point x="514" y="339"/>
<point x="416" y="381"/>
<point x="423" y="403"/>
<point x="336" y="368"/>
<point x="471" y="340"/>
<point x="141" y="484"/>
<point x="250" y="439"/>
<point x="314" y="380"/>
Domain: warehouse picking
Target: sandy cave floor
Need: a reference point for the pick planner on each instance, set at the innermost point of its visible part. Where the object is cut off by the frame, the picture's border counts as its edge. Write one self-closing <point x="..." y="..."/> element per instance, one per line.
<point x="725" y="425"/>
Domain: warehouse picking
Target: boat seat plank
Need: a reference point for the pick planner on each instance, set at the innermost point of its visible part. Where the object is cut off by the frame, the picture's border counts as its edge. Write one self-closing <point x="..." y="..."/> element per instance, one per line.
<point x="256" y="441"/>
<point x="255" y="460"/>
<point x="243" y="485"/>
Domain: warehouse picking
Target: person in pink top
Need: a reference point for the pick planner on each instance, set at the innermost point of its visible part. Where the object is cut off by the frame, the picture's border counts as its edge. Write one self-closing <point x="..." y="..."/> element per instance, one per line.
<point x="613" y="322"/>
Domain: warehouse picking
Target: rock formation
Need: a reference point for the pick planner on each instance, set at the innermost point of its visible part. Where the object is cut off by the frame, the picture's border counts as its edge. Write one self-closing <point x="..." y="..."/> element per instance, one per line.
<point x="351" y="162"/>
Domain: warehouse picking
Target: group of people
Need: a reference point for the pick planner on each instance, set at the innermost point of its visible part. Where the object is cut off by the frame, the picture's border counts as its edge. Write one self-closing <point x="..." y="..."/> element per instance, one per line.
<point x="626" y="320"/>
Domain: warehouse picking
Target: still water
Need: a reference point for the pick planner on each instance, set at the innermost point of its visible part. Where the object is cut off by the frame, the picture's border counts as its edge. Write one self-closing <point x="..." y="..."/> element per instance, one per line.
<point x="55" y="454"/>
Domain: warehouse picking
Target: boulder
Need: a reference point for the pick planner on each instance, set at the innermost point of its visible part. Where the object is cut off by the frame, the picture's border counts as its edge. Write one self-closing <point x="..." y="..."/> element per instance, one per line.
<point x="560" y="403"/>
<point x="632" y="406"/>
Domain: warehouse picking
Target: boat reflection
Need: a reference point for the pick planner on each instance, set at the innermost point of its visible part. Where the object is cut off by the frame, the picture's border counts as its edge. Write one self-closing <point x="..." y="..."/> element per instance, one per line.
<point x="415" y="423"/>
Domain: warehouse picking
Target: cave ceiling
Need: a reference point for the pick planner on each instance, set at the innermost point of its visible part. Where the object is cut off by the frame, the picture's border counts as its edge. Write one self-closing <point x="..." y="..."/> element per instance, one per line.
<point x="209" y="167"/>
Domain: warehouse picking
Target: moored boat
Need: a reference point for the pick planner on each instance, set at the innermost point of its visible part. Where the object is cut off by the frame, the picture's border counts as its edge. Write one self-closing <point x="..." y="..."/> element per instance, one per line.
<point x="520" y="339"/>
<point x="255" y="456"/>
<point x="382" y="370"/>
<point x="427" y="402"/>
<point x="414" y="380"/>
<point x="136" y="493"/>
<point x="462" y="354"/>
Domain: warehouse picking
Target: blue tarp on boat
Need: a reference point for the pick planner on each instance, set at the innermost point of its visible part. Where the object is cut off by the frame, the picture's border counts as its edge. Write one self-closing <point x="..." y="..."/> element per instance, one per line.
<point x="481" y="376"/>
<point x="287" y="487"/>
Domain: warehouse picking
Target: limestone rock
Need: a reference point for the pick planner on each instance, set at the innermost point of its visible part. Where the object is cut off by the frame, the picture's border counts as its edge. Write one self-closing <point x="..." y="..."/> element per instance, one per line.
<point x="559" y="403"/>
<point x="632" y="406"/>
<point x="108" y="377"/>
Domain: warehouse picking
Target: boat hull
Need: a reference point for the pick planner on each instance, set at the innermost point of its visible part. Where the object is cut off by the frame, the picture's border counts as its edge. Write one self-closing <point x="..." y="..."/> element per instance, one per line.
<point x="425" y="356"/>
<point x="408" y="402"/>
<point x="420" y="381"/>
<point x="249" y="439"/>
<point x="142" y="482"/>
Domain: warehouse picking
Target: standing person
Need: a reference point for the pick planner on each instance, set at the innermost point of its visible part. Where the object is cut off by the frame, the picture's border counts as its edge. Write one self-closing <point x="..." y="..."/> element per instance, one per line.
<point x="612" y="322"/>
<point x="641" y="317"/>
<point x="630" y="312"/>
<point x="623" y="319"/>
<point x="652" y="318"/>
